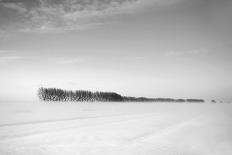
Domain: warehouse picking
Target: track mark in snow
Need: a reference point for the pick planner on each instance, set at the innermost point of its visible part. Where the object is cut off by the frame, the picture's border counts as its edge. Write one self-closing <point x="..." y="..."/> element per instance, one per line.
<point x="154" y="134"/>
<point x="52" y="126"/>
<point x="58" y="120"/>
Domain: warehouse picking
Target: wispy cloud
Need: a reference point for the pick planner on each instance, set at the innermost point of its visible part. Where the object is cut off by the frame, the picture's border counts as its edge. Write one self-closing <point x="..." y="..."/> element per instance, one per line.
<point x="10" y="59"/>
<point x="3" y="34"/>
<point x="3" y="52"/>
<point x="64" y="15"/>
<point x="70" y="61"/>
<point x="9" y="56"/>
<point x="73" y="14"/>
<point x="16" y="6"/>
<point x="180" y="53"/>
<point x="57" y="15"/>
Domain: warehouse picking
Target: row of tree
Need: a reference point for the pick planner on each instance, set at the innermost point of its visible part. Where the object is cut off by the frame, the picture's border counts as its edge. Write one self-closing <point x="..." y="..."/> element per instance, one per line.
<point x="144" y="99"/>
<point x="55" y="94"/>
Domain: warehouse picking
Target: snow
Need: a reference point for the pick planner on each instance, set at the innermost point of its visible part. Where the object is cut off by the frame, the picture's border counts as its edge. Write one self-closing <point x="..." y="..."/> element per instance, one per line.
<point x="38" y="128"/>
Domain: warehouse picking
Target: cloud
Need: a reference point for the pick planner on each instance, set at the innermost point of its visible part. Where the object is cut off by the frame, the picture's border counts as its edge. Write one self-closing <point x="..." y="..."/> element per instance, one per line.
<point x="3" y="34"/>
<point x="3" y="51"/>
<point x="10" y="59"/>
<point x="70" y="61"/>
<point x="53" y="16"/>
<point x="8" y="56"/>
<point x="180" y="53"/>
<point x="16" y="6"/>
<point x="44" y="29"/>
<point x="67" y="15"/>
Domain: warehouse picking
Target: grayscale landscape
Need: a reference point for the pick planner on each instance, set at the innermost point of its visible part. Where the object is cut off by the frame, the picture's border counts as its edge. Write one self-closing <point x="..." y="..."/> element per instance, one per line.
<point x="115" y="77"/>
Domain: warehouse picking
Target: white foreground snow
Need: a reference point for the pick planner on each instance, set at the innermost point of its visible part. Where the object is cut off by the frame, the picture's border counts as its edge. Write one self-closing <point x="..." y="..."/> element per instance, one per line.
<point x="115" y="129"/>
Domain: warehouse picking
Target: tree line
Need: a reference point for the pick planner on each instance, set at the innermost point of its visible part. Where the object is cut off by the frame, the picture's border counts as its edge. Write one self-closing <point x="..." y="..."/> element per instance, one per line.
<point x="55" y="94"/>
<point x="144" y="99"/>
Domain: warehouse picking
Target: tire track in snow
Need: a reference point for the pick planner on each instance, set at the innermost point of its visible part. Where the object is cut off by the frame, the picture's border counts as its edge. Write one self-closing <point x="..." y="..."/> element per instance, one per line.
<point x="103" y="121"/>
<point x="165" y="131"/>
<point x="57" y="120"/>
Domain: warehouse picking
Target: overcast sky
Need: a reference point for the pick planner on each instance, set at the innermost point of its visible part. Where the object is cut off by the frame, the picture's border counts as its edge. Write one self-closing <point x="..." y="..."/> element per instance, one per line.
<point x="151" y="48"/>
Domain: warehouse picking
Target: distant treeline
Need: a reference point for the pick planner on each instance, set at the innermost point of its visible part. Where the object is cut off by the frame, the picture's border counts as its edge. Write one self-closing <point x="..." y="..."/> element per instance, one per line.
<point x="55" y="94"/>
<point x="144" y="99"/>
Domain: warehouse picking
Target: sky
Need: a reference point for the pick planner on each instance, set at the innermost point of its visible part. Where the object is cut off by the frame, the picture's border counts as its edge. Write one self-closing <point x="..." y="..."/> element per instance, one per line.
<point x="151" y="48"/>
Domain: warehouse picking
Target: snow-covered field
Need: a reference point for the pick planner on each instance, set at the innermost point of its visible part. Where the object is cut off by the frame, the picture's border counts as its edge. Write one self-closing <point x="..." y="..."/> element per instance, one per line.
<point x="115" y="129"/>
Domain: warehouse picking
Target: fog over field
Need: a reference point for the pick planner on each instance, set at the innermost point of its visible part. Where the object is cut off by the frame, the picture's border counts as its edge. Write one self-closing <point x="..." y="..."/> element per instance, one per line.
<point x="115" y="128"/>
